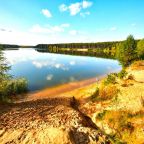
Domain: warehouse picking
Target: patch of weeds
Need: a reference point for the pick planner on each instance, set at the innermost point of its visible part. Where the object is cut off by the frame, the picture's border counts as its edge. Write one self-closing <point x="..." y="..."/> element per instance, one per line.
<point x="122" y="74"/>
<point x="116" y="140"/>
<point x="95" y="95"/>
<point x="108" y="92"/>
<point x="101" y="115"/>
<point x="138" y="114"/>
<point x="111" y="79"/>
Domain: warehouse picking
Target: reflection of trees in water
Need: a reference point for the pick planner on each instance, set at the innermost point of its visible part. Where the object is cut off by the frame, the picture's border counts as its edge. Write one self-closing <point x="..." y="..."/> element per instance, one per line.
<point x="85" y="52"/>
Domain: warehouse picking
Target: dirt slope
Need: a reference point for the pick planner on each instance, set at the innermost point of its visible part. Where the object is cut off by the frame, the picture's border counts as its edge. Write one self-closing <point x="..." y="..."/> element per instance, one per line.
<point x="52" y="120"/>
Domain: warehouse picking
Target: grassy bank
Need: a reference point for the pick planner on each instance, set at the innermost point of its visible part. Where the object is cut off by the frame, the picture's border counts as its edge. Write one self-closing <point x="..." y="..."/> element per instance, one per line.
<point x="116" y="104"/>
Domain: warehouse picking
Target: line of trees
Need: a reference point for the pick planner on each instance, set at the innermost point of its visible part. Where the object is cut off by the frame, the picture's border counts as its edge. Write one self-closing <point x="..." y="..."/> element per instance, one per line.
<point x="4" y="46"/>
<point x="98" y="45"/>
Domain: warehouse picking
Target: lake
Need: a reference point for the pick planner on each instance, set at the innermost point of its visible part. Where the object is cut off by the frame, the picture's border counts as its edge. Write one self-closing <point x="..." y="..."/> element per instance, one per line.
<point x="47" y="69"/>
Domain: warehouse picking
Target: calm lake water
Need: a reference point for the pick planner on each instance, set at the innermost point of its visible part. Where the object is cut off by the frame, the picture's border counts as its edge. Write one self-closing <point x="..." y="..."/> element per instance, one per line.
<point x="47" y="69"/>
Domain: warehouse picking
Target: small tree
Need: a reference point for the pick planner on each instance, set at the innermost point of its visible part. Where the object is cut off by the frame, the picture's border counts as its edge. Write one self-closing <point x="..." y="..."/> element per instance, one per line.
<point x="140" y="49"/>
<point x="3" y="68"/>
<point x="126" y="51"/>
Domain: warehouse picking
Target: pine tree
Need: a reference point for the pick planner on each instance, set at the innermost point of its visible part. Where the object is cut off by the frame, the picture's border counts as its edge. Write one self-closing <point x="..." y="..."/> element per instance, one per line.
<point x="126" y="52"/>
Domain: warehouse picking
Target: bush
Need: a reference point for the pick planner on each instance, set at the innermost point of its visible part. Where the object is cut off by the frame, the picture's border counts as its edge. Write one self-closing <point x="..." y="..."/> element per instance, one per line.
<point x="140" y="49"/>
<point x="122" y="74"/>
<point x="108" y="92"/>
<point x="95" y="95"/>
<point x="111" y="79"/>
<point x="12" y="87"/>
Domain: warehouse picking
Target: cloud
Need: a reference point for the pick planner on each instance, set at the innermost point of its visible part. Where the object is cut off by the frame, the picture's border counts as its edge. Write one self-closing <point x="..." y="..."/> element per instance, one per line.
<point x="49" y="29"/>
<point x="49" y="77"/>
<point x="46" y="13"/>
<point x="113" y="28"/>
<point x="86" y="4"/>
<point x="83" y="14"/>
<point x="73" y="32"/>
<point x="63" y="8"/>
<point x="76" y="8"/>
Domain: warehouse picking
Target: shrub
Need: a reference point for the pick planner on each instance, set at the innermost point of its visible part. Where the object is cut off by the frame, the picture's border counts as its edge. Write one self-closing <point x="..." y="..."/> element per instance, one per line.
<point x="95" y="94"/>
<point x="104" y="93"/>
<point x="12" y="87"/>
<point x="108" y="92"/>
<point x="122" y="74"/>
<point x="111" y="79"/>
<point x="140" y="49"/>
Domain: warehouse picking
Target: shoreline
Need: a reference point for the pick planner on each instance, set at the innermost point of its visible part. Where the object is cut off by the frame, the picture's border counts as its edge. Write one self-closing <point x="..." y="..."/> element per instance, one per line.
<point x="63" y="88"/>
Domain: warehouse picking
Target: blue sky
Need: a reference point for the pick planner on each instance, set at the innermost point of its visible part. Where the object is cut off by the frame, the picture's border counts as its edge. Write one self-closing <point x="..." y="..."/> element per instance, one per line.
<point x="58" y="21"/>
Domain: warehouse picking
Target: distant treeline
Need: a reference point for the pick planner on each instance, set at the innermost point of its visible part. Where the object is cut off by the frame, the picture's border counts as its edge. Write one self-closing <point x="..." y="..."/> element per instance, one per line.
<point x="108" y="46"/>
<point x="4" y="46"/>
<point x="80" y="45"/>
<point x="99" y="49"/>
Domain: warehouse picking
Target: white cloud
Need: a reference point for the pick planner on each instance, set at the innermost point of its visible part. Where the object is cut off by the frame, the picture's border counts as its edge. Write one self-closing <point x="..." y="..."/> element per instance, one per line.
<point x="63" y="8"/>
<point x="39" y="29"/>
<point x="46" y="13"/>
<point x="84" y="14"/>
<point x="73" y="32"/>
<point x="49" y="29"/>
<point x="113" y="28"/>
<point x="86" y="4"/>
<point x="76" y="8"/>
<point x="49" y="77"/>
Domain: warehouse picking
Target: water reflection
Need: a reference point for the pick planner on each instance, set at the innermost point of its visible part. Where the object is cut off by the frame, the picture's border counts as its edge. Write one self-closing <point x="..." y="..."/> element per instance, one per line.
<point x="48" y="69"/>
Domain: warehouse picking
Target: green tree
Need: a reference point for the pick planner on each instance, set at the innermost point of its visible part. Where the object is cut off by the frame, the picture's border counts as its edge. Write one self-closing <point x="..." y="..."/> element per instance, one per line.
<point x="126" y="51"/>
<point x="140" y="49"/>
<point x="3" y="68"/>
<point x="8" y="85"/>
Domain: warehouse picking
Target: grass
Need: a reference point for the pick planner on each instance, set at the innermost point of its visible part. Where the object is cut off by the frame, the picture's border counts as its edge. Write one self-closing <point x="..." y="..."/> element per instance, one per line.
<point x="12" y="87"/>
<point x="111" y="79"/>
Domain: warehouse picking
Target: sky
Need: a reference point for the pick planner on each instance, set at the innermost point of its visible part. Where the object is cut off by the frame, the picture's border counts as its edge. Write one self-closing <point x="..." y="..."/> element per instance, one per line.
<point x="32" y="22"/>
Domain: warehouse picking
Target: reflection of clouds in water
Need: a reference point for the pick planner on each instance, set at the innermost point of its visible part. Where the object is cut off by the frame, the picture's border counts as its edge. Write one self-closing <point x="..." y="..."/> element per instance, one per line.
<point x="39" y="64"/>
<point x="17" y="56"/>
<point x="72" y="62"/>
<point x="51" y="64"/>
<point x="49" y="77"/>
<point x="57" y="65"/>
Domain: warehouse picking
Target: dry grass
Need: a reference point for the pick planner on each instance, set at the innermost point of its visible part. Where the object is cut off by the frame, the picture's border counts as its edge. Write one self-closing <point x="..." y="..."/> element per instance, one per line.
<point x="108" y="92"/>
<point x="126" y="125"/>
<point x="138" y="65"/>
